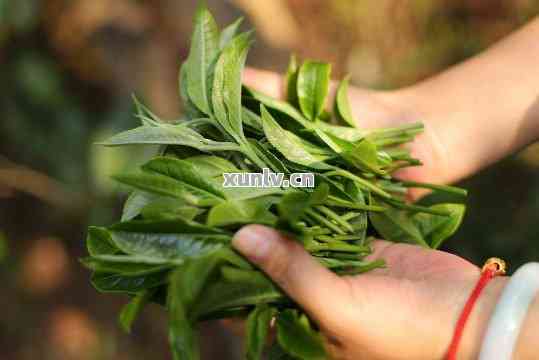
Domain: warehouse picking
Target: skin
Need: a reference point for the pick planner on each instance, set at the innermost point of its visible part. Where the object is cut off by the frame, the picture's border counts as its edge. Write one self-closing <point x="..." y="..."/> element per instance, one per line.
<point x="409" y="309"/>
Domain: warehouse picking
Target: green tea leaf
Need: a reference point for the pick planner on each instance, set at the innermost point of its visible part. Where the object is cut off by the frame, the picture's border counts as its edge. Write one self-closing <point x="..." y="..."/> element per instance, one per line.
<point x="182" y="335"/>
<point x="189" y="108"/>
<point x="257" y="329"/>
<point x="99" y="242"/>
<point x="242" y="212"/>
<point x="168" y="208"/>
<point x="167" y="186"/>
<point x="342" y="105"/>
<point x="116" y="283"/>
<point x="229" y="33"/>
<point x="280" y="106"/>
<point x="313" y="87"/>
<point x="296" y="336"/>
<point x="291" y="81"/>
<point x="167" y="239"/>
<point x="226" y="95"/>
<point x="210" y="166"/>
<point x="134" y="204"/>
<point x="397" y="225"/>
<point x="131" y="310"/>
<point x="434" y="228"/>
<point x="243" y="288"/>
<point x="204" y="49"/>
<point x="341" y="132"/>
<point x="290" y="145"/>
<point x="133" y="267"/>
<point x="168" y="135"/>
<point x="185" y="172"/>
<point x="252" y="120"/>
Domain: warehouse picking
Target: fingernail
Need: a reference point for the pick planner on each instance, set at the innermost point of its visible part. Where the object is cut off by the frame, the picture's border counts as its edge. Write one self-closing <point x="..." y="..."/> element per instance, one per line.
<point x="255" y="241"/>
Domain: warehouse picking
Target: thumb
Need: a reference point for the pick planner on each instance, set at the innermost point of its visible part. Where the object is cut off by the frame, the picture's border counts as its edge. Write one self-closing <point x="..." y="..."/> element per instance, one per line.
<point x="315" y="288"/>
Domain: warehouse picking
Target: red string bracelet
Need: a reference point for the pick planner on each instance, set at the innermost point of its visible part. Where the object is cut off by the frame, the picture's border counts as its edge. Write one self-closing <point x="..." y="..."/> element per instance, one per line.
<point x="492" y="268"/>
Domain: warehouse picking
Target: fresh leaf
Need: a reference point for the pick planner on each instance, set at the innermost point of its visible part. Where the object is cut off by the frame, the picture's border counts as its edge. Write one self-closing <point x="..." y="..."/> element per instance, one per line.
<point x="132" y="309"/>
<point x="107" y="282"/>
<point x="298" y="338"/>
<point x="257" y="329"/>
<point x="434" y="228"/>
<point x="99" y="242"/>
<point x="168" y="208"/>
<point x="243" y="288"/>
<point x="240" y="212"/>
<point x="134" y="204"/>
<point x="185" y="172"/>
<point x="229" y="33"/>
<point x="291" y="81"/>
<point x="124" y="267"/>
<point x="342" y="105"/>
<point x="397" y="225"/>
<point x="290" y="145"/>
<point x="226" y="95"/>
<point x="204" y="49"/>
<point x="168" y="186"/>
<point x="168" y="135"/>
<point x="313" y="87"/>
<point x="167" y="239"/>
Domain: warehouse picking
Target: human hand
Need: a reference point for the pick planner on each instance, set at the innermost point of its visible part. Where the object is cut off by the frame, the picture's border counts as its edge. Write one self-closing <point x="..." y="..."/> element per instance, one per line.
<point x="465" y="129"/>
<point x="407" y="310"/>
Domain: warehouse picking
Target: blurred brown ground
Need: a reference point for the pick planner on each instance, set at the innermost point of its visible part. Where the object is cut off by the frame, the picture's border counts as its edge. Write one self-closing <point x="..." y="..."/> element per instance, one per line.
<point x="67" y="69"/>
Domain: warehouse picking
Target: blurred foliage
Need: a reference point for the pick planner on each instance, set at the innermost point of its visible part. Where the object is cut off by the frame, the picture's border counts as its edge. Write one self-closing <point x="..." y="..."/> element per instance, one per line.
<point x="4" y="251"/>
<point x="68" y="68"/>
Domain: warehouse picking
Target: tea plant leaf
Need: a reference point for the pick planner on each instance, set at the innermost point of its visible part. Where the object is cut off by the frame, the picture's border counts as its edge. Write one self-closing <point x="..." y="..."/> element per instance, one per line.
<point x="434" y="228"/>
<point x="363" y="154"/>
<point x="182" y="335"/>
<point x="397" y="225"/>
<point x="341" y="132"/>
<point x="313" y="87"/>
<point x="342" y="105"/>
<point x="288" y="144"/>
<point x="168" y="135"/>
<point x="210" y="166"/>
<point x="189" y="108"/>
<point x="204" y="49"/>
<point x="135" y="267"/>
<point x="167" y="239"/>
<point x="131" y="310"/>
<point x="167" y="186"/>
<point x="134" y="204"/>
<point x="296" y="336"/>
<point x="242" y="212"/>
<point x="99" y="242"/>
<point x="168" y="208"/>
<point x="257" y="329"/>
<point x="291" y="81"/>
<point x="182" y="171"/>
<point x="229" y="33"/>
<point x="243" y="288"/>
<point x="117" y="283"/>
<point x="252" y="120"/>
<point x="226" y="95"/>
<point x="280" y="106"/>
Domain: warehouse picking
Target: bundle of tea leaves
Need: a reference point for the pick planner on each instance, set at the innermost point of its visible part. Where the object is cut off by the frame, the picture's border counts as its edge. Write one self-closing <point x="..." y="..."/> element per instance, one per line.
<point x="240" y="157"/>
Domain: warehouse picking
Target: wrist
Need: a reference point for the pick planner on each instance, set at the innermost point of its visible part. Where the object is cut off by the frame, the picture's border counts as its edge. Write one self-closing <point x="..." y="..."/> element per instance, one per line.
<point x="479" y="318"/>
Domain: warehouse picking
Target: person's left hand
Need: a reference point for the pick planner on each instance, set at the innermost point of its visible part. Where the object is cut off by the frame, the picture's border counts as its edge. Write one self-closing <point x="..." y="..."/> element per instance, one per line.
<point x="407" y="310"/>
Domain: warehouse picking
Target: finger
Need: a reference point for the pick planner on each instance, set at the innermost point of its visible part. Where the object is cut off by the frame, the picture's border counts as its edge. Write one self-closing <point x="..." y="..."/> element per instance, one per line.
<point x="267" y="82"/>
<point x="315" y="288"/>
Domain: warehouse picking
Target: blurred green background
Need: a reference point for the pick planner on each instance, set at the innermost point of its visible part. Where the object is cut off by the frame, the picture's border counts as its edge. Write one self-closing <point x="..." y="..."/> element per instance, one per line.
<point x="67" y="70"/>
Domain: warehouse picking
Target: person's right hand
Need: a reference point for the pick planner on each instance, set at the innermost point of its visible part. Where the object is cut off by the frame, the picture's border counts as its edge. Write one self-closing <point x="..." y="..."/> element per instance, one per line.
<point x="407" y="310"/>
